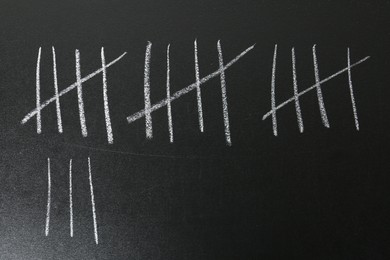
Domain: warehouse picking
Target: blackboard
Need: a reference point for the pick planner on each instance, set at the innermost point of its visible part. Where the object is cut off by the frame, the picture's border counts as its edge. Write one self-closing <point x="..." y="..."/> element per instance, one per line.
<point x="209" y="164"/>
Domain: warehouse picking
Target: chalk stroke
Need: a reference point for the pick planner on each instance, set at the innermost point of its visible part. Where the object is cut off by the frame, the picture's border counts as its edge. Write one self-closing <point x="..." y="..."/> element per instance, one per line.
<point x="70" y="199"/>
<point x="186" y="90"/>
<point x="354" y="110"/>
<point x="47" y="225"/>
<point x="78" y="84"/>
<point x="57" y="97"/>
<point x="38" y="92"/>
<point x="169" y="108"/>
<point x="274" y="122"/>
<point x="80" y="100"/>
<point x="148" y="116"/>
<point x="198" y="91"/>
<point x="224" y="96"/>
<point x="296" y="97"/>
<point x="320" y="98"/>
<point x="317" y="87"/>
<point x="110" y="137"/>
<point x="93" y="202"/>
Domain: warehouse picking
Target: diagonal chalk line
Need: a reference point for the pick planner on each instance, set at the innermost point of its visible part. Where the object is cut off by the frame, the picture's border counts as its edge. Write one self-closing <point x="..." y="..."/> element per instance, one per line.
<point x="187" y="89"/>
<point x="37" y="111"/>
<point x="269" y="113"/>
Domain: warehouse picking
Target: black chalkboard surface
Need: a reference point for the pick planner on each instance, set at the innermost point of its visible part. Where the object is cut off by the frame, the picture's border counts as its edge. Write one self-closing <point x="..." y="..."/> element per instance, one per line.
<point x="194" y="129"/>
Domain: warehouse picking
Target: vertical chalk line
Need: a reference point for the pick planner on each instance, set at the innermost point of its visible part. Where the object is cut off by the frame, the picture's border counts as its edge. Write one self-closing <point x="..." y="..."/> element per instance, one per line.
<point x="57" y="97"/>
<point x="110" y="137"/>
<point x="273" y="109"/>
<point x="92" y="201"/>
<point x="296" y="96"/>
<point x="48" y="198"/>
<point x="198" y="91"/>
<point x="70" y="199"/>
<point x="224" y="96"/>
<point x="355" y="115"/>
<point x="320" y="98"/>
<point x="38" y="92"/>
<point x="80" y="96"/>
<point x="148" y="105"/>
<point x="169" y="108"/>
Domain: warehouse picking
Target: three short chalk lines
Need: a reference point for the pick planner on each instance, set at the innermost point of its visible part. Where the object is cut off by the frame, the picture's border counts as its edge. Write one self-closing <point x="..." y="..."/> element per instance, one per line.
<point x="49" y="199"/>
<point x="149" y="108"/>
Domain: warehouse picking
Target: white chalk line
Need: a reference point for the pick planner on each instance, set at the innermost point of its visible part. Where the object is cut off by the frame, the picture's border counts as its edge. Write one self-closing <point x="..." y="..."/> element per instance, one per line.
<point x="93" y="202"/>
<point x="321" y="104"/>
<point x="187" y="89"/>
<point x="296" y="97"/>
<point x="274" y="121"/>
<point x="47" y="225"/>
<point x="354" y="110"/>
<point x="225" y="109"/>
<point x="169" y="108"/>
<point x="70" y="199"/>
<point x="66" y="90"/>
<point x="57" y="98"/>
<point x="110" y="137"/>
<point x="38" y="92"/>
<point x="148" y="116"/>
<point x="269" y="113"/>
<point x="198" y="90"/>
<point x="80" y="100"/>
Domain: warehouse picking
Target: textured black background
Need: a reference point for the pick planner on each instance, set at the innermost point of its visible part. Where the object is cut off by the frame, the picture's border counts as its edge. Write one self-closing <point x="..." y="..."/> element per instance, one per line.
<point x="322" y="194"/>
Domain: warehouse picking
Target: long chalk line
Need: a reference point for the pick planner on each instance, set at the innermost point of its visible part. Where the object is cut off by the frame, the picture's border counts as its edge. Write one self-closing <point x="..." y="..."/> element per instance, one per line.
<point x="93" y="202"/>
<point x="110" y="137"/>
<point x="38" y="92"/>
<point x="47" y="225"/>
<point x="70" y="199"/>
<point x="198" y="91"/>
<point x="320" y="98"/>
<point x="224" y="96"/>
<point x="169" y="108"/>
<point x="57" y="97"/>
<point x="296" y="97"/>
<point x="83" y="124"/>
<point x="274" y="121"/>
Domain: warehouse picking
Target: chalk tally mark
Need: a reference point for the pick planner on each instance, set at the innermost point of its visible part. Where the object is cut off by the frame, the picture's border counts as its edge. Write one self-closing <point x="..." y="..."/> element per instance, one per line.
<point x="93" y="202"/>
<point x="38" y="92"/>
<point x="48" y="206"/>
<point x="148" y="116"/>
<point x="316" y="86"/>
<point x="169" y="108"/>
<point x="57" y="97"/>
<point x="296" y="97"/>
<point x="198" y="90"/>
<point x="320" y="98"/>
<point x="198" y="83"/>
<point x="76" y="85"/>
<point x="70" y="199"/>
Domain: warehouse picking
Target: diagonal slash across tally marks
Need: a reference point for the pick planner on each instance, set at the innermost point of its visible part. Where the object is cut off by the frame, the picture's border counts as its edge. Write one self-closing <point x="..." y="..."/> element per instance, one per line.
<point x="186" y="90"/>
<point x="37" y="110"/>
<point x="292" y="99"/>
